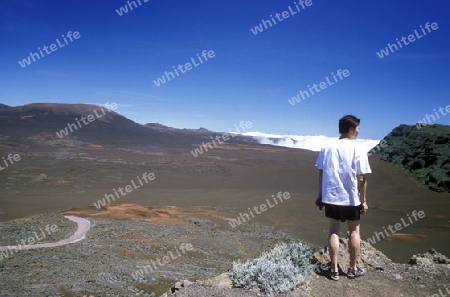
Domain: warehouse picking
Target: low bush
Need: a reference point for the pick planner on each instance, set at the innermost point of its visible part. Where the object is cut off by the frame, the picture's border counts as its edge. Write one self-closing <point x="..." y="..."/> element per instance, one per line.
<point x="276" y="271"/>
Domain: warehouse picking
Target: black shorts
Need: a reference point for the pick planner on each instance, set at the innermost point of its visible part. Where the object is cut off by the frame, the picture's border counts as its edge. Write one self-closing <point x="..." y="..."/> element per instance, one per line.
<point x="343" y="213"/>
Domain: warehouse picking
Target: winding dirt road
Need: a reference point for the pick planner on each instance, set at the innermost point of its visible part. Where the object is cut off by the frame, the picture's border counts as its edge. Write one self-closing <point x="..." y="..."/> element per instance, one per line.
<point x="83" y="227"/>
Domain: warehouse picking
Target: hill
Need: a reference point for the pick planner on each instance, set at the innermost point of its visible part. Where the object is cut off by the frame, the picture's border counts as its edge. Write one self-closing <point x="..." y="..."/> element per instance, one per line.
<point x="422" y="150"/>
<point x="59" y="124"/>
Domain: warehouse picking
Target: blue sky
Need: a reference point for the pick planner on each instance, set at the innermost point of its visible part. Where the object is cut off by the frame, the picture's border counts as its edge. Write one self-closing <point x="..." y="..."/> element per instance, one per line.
<point x="251" y="77"/>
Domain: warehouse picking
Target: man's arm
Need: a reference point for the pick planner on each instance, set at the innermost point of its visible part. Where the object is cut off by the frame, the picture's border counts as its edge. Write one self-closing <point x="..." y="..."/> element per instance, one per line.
<point x="362" y="187"/>
<point x="320" y="182"/>
<point x="319" y="196"/>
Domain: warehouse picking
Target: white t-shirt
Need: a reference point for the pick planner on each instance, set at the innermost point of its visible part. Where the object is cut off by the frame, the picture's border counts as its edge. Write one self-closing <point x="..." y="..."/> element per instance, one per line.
<point x="341" y="162"/>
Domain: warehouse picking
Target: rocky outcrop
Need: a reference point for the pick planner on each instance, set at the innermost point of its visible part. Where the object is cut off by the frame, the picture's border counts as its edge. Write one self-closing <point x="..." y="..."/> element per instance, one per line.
<point x="425" y="275"/>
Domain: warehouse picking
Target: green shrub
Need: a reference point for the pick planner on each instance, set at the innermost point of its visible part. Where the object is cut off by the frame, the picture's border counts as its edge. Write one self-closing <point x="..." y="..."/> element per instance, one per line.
<point x="276" y="271"/>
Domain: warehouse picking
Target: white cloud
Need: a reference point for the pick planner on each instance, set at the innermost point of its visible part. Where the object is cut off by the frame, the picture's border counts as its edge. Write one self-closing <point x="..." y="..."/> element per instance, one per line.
<point x="312" y="143"/>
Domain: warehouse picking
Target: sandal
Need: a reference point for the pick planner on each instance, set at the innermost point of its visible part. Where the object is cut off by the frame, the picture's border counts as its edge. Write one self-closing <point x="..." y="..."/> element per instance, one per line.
<point x="352" y="273"/>
<point x="334" y="275"/>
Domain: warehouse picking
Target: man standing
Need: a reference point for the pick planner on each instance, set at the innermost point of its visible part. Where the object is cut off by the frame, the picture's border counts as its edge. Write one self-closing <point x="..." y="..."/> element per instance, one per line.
<point x="342" y="190"/>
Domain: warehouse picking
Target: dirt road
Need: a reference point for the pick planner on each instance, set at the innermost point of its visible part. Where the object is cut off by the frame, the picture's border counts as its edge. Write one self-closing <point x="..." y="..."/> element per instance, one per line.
<point x="83" y="227"/>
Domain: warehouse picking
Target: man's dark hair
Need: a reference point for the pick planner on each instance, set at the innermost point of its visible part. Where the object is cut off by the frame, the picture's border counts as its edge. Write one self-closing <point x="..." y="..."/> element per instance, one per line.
<point x="347" y="122"/>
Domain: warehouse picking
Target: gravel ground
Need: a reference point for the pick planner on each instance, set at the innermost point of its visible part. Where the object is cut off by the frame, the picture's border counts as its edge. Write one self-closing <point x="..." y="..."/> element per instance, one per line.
<point x="38" y="227"/>
<point x="196" y="250"/>
<point x="104" y="263"/>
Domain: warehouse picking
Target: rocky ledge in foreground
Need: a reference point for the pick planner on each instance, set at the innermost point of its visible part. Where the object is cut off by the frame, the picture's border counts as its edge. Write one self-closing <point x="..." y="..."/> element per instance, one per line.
<point x="426" y="274"/>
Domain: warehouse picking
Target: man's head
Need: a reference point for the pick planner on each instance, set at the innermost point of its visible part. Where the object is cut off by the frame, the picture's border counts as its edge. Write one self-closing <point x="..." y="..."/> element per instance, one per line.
<point x="349" y="126"/>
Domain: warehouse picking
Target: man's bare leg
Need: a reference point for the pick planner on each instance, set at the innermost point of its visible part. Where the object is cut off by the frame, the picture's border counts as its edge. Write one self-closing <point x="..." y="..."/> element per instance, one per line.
<point x="333" y="243"/>
<point x="354" y="242"/>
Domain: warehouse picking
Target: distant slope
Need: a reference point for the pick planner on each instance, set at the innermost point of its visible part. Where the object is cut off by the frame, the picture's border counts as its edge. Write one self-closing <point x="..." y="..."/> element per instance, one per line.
<point x="199" y="136"/>
<point x="167" y="128"/>
<point x="44" y="123"/>
<point x="45" y="119"/>
<point x="2" y="106"/>
<point x="424" y="151"/>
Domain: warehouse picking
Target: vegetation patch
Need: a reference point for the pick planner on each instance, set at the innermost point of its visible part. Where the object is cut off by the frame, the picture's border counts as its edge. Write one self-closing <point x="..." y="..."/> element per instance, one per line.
<point x="277" y="271"/>
<point x="424" y="151"/>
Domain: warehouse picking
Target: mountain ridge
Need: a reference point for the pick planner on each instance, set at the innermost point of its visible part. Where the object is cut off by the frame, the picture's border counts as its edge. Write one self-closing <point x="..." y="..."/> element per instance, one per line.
<point x="70" y="122"/>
